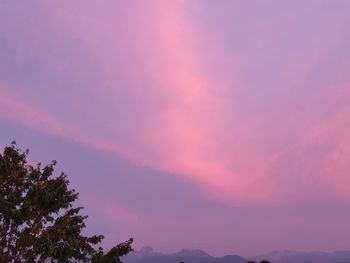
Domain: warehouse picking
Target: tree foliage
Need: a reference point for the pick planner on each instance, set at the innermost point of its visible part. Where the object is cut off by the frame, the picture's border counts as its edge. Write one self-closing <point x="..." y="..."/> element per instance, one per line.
<point x="38" y="221"/>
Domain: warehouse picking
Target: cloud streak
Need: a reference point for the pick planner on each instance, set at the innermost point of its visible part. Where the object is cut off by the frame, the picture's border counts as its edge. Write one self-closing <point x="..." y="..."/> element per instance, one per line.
<point x="143" y="80"/>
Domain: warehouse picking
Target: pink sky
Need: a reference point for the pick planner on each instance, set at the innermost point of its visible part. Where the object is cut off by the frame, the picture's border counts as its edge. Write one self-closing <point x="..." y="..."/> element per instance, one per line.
<point x="241" y="108"/>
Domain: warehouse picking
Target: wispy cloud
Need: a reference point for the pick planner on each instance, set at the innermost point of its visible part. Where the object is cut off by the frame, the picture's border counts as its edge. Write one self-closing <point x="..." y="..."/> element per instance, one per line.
<point x="260" y="120"/>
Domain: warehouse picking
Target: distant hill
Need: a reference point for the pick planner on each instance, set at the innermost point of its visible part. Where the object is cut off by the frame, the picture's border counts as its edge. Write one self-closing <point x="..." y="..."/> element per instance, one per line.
<point x="147" y="255"/>
<point x="287" y="256"/>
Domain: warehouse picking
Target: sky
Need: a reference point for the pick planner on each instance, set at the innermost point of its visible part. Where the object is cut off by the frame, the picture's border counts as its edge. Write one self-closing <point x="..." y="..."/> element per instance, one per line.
<point x="218" y="125"/>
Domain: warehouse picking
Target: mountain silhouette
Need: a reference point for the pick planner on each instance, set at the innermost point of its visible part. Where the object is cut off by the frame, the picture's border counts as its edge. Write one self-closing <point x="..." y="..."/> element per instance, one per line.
<point x="148" y="255"/>
<point x="288" y="256"/>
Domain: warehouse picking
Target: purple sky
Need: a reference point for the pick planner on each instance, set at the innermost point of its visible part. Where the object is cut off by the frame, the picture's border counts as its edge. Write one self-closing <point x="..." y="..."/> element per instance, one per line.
<point x="219" y="125"/>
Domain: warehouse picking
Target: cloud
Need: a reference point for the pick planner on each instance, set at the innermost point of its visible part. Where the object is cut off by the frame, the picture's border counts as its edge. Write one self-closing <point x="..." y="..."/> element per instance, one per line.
<point x="16" y="111"/>
<point x="120" y="214"/>
<point x="245" y="115"/>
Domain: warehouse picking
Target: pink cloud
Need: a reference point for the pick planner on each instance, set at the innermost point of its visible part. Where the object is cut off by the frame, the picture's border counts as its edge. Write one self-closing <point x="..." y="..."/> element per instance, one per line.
<point x="161" y="108"/>
<point x="120" y="214"/>
<point x="12" y="109"/>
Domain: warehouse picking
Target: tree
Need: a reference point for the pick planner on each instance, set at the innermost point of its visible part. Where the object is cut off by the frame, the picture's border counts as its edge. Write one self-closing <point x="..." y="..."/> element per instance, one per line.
<point x="37" y="219"/>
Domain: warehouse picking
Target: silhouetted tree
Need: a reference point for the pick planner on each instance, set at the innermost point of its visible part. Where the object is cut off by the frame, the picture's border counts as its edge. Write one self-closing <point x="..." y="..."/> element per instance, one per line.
<point x="37" y="219"/>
